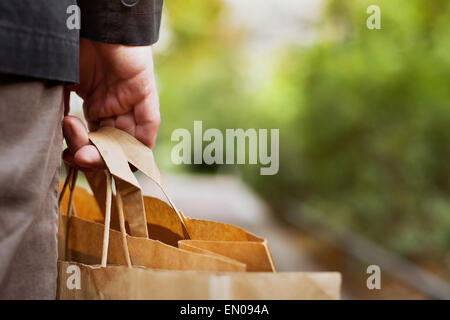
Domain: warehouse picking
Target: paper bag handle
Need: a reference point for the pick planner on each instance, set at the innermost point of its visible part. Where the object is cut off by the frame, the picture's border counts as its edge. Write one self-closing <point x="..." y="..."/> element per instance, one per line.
<point x="139" y="155"/>
<point x="126" y="183"/>
<point x="71" y="181"/>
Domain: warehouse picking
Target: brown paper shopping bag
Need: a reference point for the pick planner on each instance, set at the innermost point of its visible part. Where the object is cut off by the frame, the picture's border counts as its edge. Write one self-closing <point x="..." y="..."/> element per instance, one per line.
<point x="202" y="245"/>
<point x="106" y="281"/>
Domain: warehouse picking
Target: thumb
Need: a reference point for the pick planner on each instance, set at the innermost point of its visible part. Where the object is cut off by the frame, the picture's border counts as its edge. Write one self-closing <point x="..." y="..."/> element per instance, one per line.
<point x="84" y="153"/>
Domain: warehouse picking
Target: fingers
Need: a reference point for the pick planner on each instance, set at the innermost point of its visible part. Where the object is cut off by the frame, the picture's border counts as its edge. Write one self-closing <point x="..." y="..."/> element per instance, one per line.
<point x="103" y="104"/>
<point x="115" y="100"/>
<point x="81" y="152"/>
<point x="108" y="122"/>
<point x="142" y="122"/>
<point x="148" y="119"/>
<point x="75" y="133"/>
<point x="126" y="123"/>
<point x="89" y="157"/>
<point x="131" y="91"/>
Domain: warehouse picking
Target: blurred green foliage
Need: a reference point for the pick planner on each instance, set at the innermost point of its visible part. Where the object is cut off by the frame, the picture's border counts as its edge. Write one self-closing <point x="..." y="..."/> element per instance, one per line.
<point x="198" y="78"/>
<point x="364" y="115"/>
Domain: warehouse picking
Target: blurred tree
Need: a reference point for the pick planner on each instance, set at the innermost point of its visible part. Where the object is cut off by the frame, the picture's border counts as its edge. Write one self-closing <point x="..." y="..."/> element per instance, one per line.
<point x="369" y="147"/>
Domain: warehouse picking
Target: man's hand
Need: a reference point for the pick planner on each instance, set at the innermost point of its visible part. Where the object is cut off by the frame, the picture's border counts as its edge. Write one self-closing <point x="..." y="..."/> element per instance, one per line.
<point x="118" y="87"/>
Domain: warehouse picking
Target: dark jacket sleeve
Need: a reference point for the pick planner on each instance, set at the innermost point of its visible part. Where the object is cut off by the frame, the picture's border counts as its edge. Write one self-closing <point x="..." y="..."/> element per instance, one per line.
<point x="128" y="22"/>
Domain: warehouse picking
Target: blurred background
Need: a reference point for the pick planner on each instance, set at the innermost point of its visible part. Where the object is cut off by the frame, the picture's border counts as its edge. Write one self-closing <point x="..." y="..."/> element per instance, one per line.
<point x="364" y="119"/>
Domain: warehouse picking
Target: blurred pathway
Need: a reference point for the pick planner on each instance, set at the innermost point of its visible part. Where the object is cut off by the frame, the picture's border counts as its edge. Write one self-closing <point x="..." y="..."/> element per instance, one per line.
<point x="226" y="199"/>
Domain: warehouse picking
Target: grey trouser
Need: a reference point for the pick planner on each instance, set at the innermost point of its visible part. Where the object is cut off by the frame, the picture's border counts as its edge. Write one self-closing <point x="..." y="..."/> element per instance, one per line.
<point x="31" y="143"/>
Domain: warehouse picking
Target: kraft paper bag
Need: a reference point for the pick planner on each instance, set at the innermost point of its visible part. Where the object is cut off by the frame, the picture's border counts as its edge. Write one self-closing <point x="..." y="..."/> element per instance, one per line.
<point x="161" y="237"/>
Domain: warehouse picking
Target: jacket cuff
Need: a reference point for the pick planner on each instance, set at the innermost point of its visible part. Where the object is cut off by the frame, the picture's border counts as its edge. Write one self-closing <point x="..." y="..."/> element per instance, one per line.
<point x="128" y="22"/>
